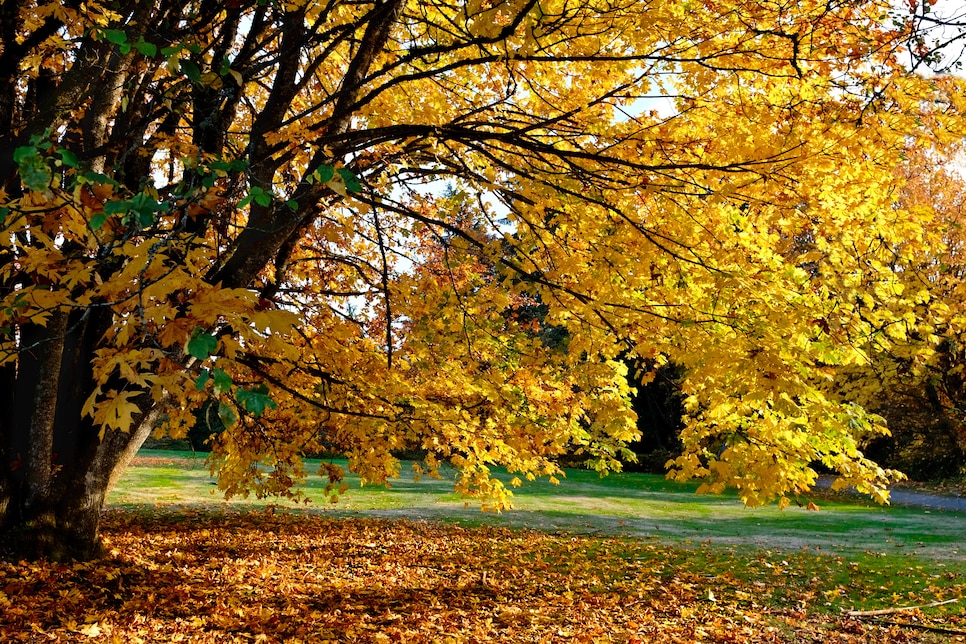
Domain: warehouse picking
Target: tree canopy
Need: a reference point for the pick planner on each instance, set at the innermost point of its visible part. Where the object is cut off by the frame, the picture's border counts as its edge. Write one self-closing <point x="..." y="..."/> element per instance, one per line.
<point x="367" y="227"/>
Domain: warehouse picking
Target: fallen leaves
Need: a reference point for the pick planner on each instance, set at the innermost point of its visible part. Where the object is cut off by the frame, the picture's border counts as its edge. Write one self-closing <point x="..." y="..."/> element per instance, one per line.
<point x="221" y="577"/>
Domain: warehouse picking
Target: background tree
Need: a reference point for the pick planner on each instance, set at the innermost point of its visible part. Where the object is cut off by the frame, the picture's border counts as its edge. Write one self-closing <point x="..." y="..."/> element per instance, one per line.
<point x="237" y="200"/>
<point x="915" y="380"/>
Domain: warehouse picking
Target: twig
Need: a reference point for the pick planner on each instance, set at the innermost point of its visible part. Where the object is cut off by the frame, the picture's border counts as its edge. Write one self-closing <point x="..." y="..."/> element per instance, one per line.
<point x="923" y="627"/>
<point x="889" y="611"/>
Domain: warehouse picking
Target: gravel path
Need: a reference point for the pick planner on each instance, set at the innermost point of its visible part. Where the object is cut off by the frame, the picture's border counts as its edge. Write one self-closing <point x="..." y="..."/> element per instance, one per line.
<point x="957" y="503"/>
<point x="914" y="499"/>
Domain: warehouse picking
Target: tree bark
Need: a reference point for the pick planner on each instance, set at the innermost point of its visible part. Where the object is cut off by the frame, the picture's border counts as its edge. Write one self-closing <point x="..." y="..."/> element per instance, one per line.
<point x="56" y="470"/>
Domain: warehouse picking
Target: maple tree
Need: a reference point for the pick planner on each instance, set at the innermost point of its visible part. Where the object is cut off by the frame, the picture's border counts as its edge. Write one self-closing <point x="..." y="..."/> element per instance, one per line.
<point x="336" y="219"/>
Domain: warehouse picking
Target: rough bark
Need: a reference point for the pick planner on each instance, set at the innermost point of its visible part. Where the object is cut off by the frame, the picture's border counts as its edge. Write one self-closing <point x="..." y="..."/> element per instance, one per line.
<point x="56" y="471"/>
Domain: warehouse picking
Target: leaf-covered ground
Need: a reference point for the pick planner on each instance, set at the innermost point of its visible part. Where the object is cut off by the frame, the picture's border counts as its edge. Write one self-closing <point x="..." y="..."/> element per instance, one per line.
<point x="202" y="576"/>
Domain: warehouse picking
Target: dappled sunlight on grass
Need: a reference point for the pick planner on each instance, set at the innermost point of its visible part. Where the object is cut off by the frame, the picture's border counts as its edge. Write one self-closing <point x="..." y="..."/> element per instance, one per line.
<point x="627" y="503"/>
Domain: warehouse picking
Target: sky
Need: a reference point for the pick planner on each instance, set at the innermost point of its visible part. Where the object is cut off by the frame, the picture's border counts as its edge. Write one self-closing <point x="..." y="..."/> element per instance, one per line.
<point x="945" y="23"/>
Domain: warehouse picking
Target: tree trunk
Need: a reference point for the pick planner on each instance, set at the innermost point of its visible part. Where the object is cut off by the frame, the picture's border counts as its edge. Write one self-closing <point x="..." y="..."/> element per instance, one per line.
<point x="56" y="470"/>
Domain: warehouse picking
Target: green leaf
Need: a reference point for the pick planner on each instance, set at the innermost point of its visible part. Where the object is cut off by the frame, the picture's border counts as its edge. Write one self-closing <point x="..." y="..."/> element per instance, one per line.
<point x="146" y="202"/>
<point x="139" y="210"/>
<point x="68" y="158"/>
<point x="325" y="173"/>
<point x="146" y="48"/>
<point x="255" y="400"/>
<point x="223" y="381"/>
<point x="191" y="70"/>
<point x="4" y="211"/>
<point x="143" y="210"/>
<point x="144" y="218"/>
<point x="259" y="196"/>
<point x="202" y="344"/>
<point x="124" y="48"/>
<point x="40" y="140"/>
<point x="37" y="178"/>
<point x="115" y="36"/>
<point x="202" y="379"/>
<point x="23" y="153"/>
<point x="226" y="414"/>
<point x="98" y="220"/>
<point x="34" y="171"/>
<point x="352" y="183"/>
<point x="117" y="207"/>
<point x="97" y="177"/>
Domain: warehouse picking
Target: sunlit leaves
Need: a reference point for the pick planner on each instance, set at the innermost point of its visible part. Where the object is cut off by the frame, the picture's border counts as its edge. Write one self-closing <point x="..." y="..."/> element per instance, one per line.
<point x="451" y="235"/>
<point x="115" y="410"/>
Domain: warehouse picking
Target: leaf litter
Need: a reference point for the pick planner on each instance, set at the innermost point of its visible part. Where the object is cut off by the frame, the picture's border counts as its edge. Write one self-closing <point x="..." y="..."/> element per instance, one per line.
<point x="206" y="576"/>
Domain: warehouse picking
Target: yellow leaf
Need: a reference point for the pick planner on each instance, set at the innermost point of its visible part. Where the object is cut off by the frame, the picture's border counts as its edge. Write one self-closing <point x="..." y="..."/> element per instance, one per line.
<point x="337" y="184"/>
<point x="117" y="411"/>
<point x="91" y="630"/>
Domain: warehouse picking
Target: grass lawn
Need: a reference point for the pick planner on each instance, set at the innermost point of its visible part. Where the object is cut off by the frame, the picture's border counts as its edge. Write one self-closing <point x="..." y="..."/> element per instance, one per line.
<point x="627" y="558"/>
<point x="645" y="506"/>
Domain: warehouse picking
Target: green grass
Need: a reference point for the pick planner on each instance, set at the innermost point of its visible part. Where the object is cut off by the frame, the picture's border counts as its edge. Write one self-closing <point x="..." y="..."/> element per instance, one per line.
<point x="847" y="554"/>
<point x="644" y="505"/>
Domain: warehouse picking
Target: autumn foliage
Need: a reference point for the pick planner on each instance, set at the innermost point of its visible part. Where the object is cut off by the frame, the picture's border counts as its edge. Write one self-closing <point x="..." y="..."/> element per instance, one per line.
<point x="916" y="379"/>
<point x="332" y="223"/>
